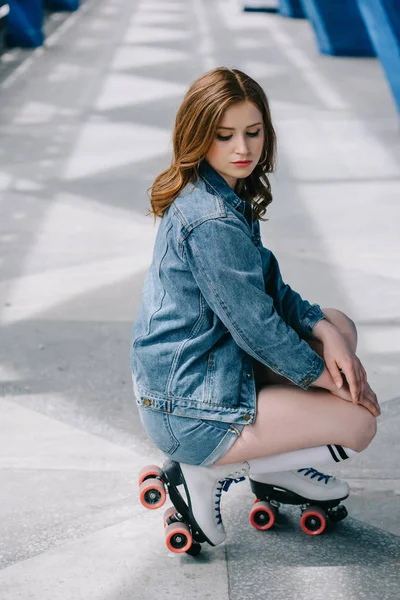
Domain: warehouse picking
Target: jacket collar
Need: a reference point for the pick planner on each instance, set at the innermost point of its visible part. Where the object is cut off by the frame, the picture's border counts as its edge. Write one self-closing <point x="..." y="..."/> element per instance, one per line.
<point x="220" y="186"/>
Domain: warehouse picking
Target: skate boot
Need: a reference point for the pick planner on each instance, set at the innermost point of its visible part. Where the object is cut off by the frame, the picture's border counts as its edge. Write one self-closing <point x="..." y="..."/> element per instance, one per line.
<point x="196" y="514"/>
<point x="318" y="495"/>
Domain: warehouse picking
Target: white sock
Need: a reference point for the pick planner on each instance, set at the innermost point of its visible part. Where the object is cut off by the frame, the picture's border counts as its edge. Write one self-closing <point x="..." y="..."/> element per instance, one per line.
<point x="297" y="459"/>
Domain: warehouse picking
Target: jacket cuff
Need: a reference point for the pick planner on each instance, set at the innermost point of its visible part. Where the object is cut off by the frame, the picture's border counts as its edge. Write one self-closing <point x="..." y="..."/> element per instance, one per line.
<point x="310" y="319"/>
<point x="317" y="370"/>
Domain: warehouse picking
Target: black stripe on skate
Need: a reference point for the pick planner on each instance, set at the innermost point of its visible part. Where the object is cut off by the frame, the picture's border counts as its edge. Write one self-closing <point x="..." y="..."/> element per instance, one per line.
<point x="342" y="453"/>
<point x="335" y="458"/>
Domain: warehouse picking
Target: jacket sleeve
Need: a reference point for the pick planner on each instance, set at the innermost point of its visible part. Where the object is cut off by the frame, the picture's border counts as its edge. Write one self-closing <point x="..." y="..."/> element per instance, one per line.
<point x="296" y="312"/>
<point x="228" y="270"/>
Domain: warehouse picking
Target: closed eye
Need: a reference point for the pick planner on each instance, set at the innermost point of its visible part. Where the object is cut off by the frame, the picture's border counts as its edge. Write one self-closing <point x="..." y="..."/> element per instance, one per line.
<point x="251" y="134"/>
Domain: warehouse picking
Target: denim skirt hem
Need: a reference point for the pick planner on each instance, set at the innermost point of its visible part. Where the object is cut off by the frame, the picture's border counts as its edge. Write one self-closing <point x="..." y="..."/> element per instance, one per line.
<point x="224" y="445"/>
<point x="189" y="440"/>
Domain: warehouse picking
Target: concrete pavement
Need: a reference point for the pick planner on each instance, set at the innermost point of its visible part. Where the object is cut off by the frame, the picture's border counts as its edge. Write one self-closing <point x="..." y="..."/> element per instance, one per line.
<point x="85" y="127"/>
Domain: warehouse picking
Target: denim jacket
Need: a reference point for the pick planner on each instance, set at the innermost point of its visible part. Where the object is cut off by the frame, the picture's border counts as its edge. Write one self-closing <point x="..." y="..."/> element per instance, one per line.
<point x="212" y="301"/>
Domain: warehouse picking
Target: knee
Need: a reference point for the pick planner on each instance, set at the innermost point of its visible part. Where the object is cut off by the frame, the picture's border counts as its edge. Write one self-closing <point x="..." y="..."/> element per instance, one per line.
<point x="366" y="430"/>
<point x="350" y="332"/>
<point x="346" y="326"/>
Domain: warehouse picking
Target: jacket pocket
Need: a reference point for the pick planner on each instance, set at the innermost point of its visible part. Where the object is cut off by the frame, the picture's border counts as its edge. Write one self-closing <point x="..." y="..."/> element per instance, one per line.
<point x="157" y="427"/>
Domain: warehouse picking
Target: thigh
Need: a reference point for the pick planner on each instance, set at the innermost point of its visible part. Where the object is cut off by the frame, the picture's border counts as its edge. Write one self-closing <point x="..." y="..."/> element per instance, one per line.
<point x="290" y="418"/>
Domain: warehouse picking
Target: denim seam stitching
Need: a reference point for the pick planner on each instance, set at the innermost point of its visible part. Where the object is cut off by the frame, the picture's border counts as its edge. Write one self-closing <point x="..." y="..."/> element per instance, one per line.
<point x="179" y="350"/>
<point x="176" y="444"/>
<point x="162" y="299"/>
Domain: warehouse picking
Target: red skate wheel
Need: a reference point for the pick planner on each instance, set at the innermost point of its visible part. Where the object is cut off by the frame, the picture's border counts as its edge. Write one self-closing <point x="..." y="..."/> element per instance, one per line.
<point x="169" y="513"/>
<point x="152" y="493"/>
<point x="178" y="537"/>
<point x="148" y="471"/>
<point x="263" y="515"/>
<point x="313" y="520"/>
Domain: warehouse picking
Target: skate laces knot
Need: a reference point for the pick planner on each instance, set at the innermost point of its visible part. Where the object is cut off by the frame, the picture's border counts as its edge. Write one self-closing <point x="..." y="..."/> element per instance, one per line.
<point x="314" y="473"/>
<point x="224" y="485"/>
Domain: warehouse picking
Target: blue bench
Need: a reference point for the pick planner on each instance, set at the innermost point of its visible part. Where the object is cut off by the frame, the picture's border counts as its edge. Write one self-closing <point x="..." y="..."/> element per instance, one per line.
<point x="339" y="28"/>
<point x="25" y="23"/>
<point x="25" y="20"/>
<point x="261" y="6"/>
<point x="382" y="19"/>
<point x="291" y="8"/>
<point x="4" y="10"/>
<point x="62" y="5"/>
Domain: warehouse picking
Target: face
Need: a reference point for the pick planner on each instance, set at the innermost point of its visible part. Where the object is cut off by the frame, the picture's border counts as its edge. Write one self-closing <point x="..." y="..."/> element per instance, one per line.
<point x="239" y="137"/>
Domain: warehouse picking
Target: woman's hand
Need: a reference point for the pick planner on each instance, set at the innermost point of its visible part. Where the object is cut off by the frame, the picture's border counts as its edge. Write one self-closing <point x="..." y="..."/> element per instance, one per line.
<point x="368" y="400"/>
<point x="341" y="360"/>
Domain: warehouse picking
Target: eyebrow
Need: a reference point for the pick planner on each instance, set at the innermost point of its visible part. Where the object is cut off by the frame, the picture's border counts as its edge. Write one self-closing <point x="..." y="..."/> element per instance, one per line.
<point x="233" y="129"/>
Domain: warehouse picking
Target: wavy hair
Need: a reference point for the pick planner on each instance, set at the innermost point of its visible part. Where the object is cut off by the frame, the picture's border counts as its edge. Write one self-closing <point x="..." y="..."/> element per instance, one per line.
<point x="196" y="123"/>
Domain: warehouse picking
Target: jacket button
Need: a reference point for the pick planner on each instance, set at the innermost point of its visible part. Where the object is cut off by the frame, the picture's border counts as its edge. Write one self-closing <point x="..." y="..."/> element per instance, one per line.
<point x="307" y="381"/>
<point x="147" y="402"/>
<point x="248" y="375"/>
<point x="246" y="417"/>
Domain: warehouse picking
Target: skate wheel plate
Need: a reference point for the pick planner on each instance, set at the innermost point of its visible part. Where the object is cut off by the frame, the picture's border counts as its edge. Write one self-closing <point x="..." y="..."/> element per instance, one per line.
<point x="194" y="549"/>
<point x="338" y="514"/>
<point x="313" y="520"/>
<point x="178" y="537"/>
<point x="147" y="472"/>
<point x="168" y="514"/>
<point x="152" y="493"/>
<point x="263" y="515"/>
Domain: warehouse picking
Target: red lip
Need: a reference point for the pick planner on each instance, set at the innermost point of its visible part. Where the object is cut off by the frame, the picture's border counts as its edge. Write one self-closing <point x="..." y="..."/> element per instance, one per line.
<point x="243" y="162"/>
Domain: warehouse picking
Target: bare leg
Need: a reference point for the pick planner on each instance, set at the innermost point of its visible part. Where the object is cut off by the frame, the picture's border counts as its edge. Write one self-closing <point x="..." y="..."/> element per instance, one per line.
<point x="290" y="418"/>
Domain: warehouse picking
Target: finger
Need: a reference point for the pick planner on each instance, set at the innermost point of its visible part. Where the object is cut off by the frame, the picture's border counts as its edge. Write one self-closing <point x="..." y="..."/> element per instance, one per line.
<point x="370" y="406"/>
<point x="353" y="383"/>
<point x="365" y="372"/>
<point x="365" y="376"/>
<point x="335" y="374"/>
<point x="376" y="403"/>
<point x="371" y="394"/>
<point x="376" y="411"/>
<point x="363" y="383"/>
<point x="371" y="398"/>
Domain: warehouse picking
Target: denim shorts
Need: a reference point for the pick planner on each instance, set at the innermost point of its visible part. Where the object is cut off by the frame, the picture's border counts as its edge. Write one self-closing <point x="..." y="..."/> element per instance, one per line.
<point x="187" y="440"/>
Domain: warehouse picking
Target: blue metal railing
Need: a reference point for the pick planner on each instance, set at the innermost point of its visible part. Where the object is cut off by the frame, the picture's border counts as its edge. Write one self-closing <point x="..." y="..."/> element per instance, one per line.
<point x="24" y="25"/>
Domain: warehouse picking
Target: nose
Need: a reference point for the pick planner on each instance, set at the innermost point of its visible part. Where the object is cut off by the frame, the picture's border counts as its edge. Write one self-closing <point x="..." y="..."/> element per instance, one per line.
<point x="242" y="145"/>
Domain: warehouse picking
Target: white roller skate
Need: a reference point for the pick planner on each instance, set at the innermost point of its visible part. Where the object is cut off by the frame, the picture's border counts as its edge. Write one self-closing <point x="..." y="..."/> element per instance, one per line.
<point x="196" y="515"/>
<point x="318" y="495"/>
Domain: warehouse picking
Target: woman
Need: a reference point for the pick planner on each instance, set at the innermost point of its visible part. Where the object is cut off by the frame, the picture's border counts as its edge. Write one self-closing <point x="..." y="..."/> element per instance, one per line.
<point x="234" y="373"/>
